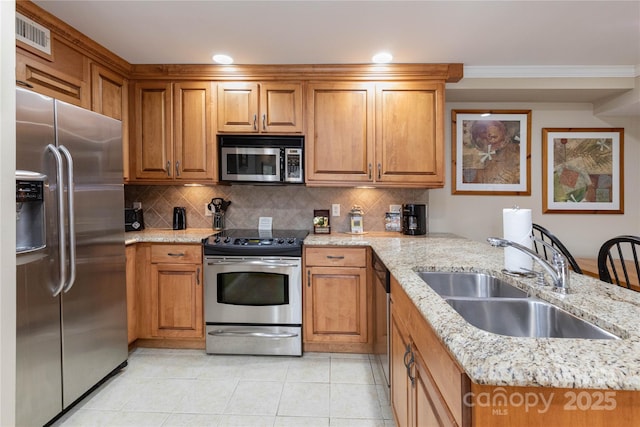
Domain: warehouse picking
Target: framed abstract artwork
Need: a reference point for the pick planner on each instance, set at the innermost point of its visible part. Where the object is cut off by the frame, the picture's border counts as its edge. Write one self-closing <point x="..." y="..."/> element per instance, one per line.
<point x="582" y="170"/>
<point x="491" y="152"/>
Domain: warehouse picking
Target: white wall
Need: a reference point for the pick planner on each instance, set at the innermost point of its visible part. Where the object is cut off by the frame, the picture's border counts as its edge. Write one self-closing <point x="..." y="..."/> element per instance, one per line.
<point x="477" y="217"/>
<point x="7" y="216"/>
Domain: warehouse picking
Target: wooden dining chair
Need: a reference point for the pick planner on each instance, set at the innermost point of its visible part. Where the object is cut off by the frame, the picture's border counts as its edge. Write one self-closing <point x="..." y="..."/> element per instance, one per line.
<point x="618" y="261"/>
<point x="546" y="236"/>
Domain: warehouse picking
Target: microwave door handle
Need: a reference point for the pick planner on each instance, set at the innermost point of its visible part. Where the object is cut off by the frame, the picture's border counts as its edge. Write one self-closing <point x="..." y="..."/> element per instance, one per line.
<point x="71" y="217"/>
<point x="62" y="243"/>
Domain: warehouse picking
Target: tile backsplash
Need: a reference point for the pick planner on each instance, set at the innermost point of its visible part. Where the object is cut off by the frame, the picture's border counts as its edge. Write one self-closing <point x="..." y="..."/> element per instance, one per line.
<point x="291" y="206"/>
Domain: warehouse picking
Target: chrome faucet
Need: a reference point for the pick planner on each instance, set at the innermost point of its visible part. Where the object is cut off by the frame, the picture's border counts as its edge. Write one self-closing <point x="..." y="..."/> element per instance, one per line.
<point x="558" y="269"/>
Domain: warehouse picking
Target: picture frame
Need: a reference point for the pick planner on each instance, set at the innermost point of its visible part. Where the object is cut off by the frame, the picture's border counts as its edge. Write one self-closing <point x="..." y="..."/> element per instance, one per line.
<point x="491" y="152"/>
<point x="321" y="224"/>
<point x="582" y="170"/>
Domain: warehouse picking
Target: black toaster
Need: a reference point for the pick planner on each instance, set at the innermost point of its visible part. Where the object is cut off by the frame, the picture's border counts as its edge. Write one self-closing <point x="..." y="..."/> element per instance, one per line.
<point x="133" y="220"/>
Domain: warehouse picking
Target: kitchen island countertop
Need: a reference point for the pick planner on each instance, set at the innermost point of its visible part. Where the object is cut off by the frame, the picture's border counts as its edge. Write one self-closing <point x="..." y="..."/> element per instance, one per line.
<point x="490" y="358"/>
<point x="512" y="361"/>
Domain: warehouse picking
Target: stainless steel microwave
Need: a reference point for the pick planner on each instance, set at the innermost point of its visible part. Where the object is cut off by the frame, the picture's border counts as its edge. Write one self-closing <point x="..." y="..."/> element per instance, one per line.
<point x="261" y="159"/>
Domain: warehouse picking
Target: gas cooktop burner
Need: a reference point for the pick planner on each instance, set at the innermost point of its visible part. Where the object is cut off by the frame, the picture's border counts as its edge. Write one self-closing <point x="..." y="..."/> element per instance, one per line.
<point x="255" y="242"/>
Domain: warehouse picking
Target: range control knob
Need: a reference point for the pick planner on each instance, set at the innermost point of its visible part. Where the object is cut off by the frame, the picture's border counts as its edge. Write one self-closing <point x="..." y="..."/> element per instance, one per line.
<point x="217" y="239"/>
<point x="280" y="241"/>
<point x="291" y="241"/>
<point x="227" y="240"/>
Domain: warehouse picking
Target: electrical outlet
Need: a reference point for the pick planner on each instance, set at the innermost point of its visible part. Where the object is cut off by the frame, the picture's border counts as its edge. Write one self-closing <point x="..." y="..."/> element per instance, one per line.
<point x="395" y="208"/>
<point x="137" y="205"/>
<point x="207" y="212"/>
<point x="335" y="209"/>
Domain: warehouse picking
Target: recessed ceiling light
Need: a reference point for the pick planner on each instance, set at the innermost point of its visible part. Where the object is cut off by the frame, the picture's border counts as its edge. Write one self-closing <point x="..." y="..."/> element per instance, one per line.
<point x="223" y="59"/>
<point x="382" y="58"/>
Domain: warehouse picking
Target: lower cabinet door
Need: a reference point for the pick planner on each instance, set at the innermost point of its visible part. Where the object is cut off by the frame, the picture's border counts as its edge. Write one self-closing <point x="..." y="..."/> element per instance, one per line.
<point x="429" y="407"/>
<point x="176" y="301"/>
<point x="132" y="293"/>
<point x="400" y="383"/>
<point x="336" y="305"/>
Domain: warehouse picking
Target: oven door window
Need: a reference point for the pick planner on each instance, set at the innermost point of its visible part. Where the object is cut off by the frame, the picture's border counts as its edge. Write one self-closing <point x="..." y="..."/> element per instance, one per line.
<point x="253" y="288"/>
<point x="251" y="164"/>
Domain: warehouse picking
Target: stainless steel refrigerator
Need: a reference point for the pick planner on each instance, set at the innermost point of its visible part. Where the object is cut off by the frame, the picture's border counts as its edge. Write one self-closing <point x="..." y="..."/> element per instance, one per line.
<point x="71" y="292"/>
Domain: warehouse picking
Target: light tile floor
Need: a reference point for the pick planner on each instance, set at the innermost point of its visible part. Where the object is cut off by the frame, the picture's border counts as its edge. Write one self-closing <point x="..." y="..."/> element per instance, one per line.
<point x="190" y="388"/>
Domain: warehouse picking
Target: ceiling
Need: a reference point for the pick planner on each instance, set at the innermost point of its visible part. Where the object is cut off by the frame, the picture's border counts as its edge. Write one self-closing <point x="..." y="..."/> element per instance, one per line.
<point x="597" y="41"/>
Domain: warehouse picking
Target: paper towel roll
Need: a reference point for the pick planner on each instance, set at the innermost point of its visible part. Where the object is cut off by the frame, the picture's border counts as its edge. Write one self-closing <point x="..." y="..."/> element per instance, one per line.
<point x="517" y="226"/>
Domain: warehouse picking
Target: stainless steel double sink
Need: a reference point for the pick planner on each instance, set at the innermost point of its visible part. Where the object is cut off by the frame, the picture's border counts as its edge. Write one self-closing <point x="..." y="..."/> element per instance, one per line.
<point x="490" y="303"/>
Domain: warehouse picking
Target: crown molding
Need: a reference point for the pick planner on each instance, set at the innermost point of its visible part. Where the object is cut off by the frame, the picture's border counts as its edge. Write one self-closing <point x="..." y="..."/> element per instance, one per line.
<point x="559" y="71"/>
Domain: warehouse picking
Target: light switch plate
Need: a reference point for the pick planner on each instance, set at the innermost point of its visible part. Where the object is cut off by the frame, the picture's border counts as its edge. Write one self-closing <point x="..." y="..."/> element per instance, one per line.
<point x="335" y="209"/>
<point x="137" y="205"/>
<point x="395" y="208"/>
<point x="207" y="212"/>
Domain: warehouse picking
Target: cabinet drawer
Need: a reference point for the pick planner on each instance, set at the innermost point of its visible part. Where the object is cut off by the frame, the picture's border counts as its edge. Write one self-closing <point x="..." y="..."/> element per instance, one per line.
<point x="180" y="254"/>
<point x="336" y="257"/>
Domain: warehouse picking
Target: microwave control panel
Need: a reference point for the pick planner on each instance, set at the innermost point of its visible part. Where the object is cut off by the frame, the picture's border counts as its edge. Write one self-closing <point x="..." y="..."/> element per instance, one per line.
<point x="293" y="165"/>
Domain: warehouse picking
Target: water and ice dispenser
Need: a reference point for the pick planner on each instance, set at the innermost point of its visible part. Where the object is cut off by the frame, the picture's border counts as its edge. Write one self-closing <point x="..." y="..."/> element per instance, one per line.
<point x="30" y="211"/>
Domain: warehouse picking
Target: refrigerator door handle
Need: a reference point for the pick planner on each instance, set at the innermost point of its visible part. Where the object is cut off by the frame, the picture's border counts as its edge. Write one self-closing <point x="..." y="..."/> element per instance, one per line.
<point x="62" y="258"/>
<point x="71" y="217"/>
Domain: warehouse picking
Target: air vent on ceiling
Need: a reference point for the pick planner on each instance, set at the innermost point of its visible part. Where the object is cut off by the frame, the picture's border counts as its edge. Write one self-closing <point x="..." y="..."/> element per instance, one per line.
<point x="33" y="34"/>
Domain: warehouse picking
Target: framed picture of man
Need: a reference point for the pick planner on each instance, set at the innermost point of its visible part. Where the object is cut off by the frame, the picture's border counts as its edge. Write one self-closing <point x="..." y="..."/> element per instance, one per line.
<point x="491" y="152"/>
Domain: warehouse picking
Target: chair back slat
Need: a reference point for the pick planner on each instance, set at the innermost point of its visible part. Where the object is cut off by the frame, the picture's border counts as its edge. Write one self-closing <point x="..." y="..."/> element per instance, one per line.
<point x="622" y="249"/>
<point x="546" y="236"/>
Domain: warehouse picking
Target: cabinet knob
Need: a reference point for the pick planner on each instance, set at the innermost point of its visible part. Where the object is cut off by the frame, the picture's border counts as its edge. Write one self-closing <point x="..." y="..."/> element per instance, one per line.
<point x="168" y="168"/>
<point x="369" y="170"/>
<point x="175" y="254"/>
<point x="308" y="278"/>
<point x="379" y="170"/>
<point x="264" y="122"/>
<point x="178" y="168"/>
<point x="255" y="122"/>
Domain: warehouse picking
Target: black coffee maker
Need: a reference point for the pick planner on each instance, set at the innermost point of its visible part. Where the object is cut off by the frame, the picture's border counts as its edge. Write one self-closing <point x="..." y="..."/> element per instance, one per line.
<point x="414" y="219"/>
<point x="179" y="218"/>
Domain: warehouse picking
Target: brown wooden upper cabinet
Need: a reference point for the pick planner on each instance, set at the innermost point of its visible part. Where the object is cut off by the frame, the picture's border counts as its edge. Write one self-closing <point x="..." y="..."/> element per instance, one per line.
<point x="382" y="134"/>
<point x="110" y="96"/>
<point x="66" y="78"/>
<point x="173" y="134"/>
<point x="270" y="107"/>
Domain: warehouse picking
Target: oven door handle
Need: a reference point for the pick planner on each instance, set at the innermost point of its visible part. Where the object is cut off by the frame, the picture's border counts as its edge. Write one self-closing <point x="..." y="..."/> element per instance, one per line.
<point x="255" y="262"/>
<point x="252" y="334"/>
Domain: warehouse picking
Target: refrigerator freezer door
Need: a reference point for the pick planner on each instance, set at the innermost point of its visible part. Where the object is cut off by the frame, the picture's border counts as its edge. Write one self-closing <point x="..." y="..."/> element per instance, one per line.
<point x="94" y="321"/>
<point x="38" y="379"/>
<point x="38" y="375"/>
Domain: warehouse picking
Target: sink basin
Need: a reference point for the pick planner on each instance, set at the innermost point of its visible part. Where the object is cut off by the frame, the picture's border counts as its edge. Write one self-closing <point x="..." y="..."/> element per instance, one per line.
<point x="463" y="284"/>
<point x="525" y="318"/>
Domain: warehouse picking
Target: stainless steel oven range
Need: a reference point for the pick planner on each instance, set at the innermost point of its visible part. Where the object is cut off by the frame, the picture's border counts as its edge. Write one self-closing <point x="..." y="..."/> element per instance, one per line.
<point x="253" y="292"/>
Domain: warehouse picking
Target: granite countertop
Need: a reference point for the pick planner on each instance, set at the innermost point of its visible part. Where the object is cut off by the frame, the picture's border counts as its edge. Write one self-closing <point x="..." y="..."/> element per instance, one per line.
<point x="502" y="360"/>
<point x="167" y="235"/>
<point x="490" y="358"/>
